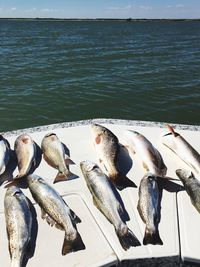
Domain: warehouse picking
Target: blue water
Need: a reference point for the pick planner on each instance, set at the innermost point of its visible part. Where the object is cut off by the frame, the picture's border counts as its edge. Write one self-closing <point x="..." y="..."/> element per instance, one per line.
<point x="56" y="71"/>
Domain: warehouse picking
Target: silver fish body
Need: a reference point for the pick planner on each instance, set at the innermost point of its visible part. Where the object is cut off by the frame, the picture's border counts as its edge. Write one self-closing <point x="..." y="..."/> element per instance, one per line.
<point x="25" y="150"/>
<point x="105" y="200"/>
<point x="54" y="154"/>
<point x="149" y="208"/>
<point x="18" y="223"/>
<point x="4" y="154"/>
<point x="56" y="212"/>
<point x="182" y="149"/>
<point x="192" y="186"/>
<point x="107" y="148"/>
<point x="150" y="156"/>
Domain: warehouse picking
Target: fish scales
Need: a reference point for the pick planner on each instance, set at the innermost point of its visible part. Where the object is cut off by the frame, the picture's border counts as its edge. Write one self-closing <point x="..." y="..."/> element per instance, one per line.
<point x="18" y="223"/>
<point x="107" y="148"/>
<point x="149" y="208"/>
<point x="104" y="198"/>
<point x="56" y="212"/>
<point x="55" y="155"/>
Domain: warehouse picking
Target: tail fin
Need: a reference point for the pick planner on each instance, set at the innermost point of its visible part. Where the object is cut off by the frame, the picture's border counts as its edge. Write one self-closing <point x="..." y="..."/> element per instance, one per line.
<point x="64" y="177"/>
<point x="152" y="238"/>
<point x="72" y="245"/>
<point x="121" y="182"/>
<point x="127" y="239"/>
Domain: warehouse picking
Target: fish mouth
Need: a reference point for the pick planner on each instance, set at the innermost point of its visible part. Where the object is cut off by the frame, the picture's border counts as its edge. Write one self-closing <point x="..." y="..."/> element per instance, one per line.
<point x="50" y="134"/>
<point x="167" y="134"/>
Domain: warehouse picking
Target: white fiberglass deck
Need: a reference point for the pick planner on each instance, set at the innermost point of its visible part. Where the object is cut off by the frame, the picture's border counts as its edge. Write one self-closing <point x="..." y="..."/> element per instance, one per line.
<point x="179" y="226"/>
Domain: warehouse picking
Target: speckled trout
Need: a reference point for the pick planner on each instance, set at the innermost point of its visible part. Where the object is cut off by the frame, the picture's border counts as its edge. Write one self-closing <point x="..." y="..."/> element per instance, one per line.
<point x="149" y="208"/>
<point x="182" y="149"/>
<point x="105" y="200"/>
<point x="151" y="158"/>
<point x="56" y="212"/>
<point x="18" y="224"/>
<point x="54" y="154"/>
<point x="107" y="148"/>
<point x="192" y="186"/>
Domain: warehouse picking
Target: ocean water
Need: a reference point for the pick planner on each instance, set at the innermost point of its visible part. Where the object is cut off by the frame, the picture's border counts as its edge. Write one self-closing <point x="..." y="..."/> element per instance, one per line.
<point x="59" y="71"/>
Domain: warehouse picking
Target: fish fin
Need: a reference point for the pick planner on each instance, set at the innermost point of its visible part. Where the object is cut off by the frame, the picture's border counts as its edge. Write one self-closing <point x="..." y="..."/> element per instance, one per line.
<point x="152" y="238"/>
<point x="60" y="177"/>
<point x="74" y="217"/>
<point x="72" y="245"/>
<point x="121" y="182"/>
<point x="68" y="161"/>
<point x="34" y="163"/>
<point x="12" y="182"/>
<point x="171" y="129"/>
<point x="50" y="220"/>
<point x="127" y="239"/>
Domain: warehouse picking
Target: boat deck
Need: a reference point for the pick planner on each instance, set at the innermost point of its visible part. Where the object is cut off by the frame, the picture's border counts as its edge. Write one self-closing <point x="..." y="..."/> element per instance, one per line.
<point x="179" y="226"/>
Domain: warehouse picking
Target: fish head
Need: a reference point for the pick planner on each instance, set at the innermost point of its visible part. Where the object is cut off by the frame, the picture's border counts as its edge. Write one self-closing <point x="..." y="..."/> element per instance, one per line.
<point x="13" y="190"/>
<point x="34" y="180"/>
<point x="88" y="167"/>
<point x="50" y="137"/>
<point x="99" y="132"/>
<point x="169" y="138"/>
<point x="23" y="139"/>
<point x="185" y="175"/>
<point x="169" y="141"/>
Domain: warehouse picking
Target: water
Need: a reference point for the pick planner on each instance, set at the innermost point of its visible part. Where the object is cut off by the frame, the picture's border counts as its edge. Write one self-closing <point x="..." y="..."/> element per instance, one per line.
<point x="56" y="71"/>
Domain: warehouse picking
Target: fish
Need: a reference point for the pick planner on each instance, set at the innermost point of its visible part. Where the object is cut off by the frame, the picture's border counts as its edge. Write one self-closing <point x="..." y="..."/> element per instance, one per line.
<point x="104" y="198"/>
<point x="182" y="149"/>
<point x="107" y="148"/>
<point x="151" y="158"/>
<point x="56" y="212"/>
<point x="26" y="155"/>
<point x="18" y="219"/>
<point x="4" y="154"/>
<point x="25" y="149"/>
<point x="55" y="155"/>
<point x="149" y="205"/>
<point x="191" y="185"/>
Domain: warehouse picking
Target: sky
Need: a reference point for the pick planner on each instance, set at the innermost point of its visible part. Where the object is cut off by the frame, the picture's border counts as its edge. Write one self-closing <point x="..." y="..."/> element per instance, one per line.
<point x="100" y="8"/>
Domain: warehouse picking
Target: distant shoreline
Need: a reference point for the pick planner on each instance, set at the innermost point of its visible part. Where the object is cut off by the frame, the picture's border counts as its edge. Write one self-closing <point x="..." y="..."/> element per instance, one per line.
<point x="97" y="19"/>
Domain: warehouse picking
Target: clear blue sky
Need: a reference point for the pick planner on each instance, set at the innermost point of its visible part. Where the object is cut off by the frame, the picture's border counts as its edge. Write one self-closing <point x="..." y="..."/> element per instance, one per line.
<point x="100" y="8"/>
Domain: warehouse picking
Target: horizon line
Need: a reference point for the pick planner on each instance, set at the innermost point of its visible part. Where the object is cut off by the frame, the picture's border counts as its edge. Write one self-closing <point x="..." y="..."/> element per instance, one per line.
<point x="124" y="19"/>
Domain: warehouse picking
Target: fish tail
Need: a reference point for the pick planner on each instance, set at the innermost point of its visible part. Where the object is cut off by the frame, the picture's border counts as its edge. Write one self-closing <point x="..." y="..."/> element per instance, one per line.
<point x="152" y="237"/>
<point x="72" y="245"/>
<point x="64" y="176"/>
<point x="121" y="182"/>
<point x="126" y="238"/>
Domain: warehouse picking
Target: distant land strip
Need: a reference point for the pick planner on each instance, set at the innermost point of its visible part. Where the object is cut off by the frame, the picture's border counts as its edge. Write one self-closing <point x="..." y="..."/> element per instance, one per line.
<point x="99" y="19"/>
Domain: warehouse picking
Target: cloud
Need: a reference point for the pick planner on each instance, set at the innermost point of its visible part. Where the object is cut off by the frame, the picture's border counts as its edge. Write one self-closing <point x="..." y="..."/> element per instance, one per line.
<point x="145" y="7"/>
<point x="179" y="6"/>
<point x="13" y="8"/>
<point x="175" y="6"/>
<point x="120" y="8"/>
<point x="49" y="10"/>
